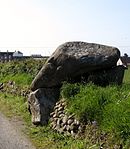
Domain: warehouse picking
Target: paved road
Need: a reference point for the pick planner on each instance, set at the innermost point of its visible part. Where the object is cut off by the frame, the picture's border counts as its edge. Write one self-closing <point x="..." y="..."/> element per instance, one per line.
<point x="11" y="137"/>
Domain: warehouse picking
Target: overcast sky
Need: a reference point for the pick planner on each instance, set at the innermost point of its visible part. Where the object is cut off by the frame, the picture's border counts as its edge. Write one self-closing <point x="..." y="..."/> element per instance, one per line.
<point x="39" y="26"/>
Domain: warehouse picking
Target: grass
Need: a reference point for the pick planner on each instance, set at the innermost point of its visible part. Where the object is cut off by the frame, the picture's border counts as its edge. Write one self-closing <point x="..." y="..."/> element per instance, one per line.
<point x="22" y="72"/>
<point x="127" y="76"/>
<point x="91" y="101"/>
<point x="42" y="137"/>
<point x="109" y="107"/>
<point x="21" y="80"/>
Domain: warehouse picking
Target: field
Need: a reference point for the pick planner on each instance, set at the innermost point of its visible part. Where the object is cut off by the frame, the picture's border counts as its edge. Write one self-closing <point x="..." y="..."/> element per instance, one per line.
<point x="108" y="107"/>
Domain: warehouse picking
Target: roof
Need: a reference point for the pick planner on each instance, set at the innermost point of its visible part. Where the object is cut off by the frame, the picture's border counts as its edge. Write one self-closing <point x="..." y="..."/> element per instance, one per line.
<point x="18" y="52"/>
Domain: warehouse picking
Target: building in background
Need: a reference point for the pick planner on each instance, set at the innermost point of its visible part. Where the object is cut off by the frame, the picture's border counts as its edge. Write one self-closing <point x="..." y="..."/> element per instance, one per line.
<point x="9" y="56"/>
<point x="6" y="56"/>
<point x="17" y="55"/>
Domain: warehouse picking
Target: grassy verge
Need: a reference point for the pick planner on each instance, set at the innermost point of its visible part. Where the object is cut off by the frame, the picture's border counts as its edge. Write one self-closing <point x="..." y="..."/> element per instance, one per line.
<point x="109" y="107"/>
<point x="16" y="106"/>
<point x="22" y="72"/>
<point x="42" y="137"/>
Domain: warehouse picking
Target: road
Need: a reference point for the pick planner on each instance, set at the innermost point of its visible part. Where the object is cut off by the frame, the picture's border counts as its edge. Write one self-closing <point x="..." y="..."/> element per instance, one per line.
<point x="11" y="137"/>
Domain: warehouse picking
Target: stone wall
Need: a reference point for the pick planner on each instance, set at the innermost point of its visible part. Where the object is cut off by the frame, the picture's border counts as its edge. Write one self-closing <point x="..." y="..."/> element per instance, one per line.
<point x="64" y="123"/>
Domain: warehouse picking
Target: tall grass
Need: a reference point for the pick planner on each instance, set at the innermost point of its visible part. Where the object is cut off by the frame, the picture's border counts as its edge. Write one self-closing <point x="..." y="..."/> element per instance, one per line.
<point x="109" y="106"/>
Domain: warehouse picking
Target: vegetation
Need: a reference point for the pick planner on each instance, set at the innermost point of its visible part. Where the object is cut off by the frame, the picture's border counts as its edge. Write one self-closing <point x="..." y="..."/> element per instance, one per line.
<point x="22" y="72"/>
<point x="108" y="107"/>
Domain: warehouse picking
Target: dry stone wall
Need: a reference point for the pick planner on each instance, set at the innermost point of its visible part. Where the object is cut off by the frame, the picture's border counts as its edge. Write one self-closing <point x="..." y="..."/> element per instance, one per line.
<point x="64" y="123"/>
<point x="11" y="88"/>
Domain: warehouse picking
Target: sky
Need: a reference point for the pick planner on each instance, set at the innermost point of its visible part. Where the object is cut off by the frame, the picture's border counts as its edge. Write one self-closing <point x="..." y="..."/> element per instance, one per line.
<point x="40" y="26"/>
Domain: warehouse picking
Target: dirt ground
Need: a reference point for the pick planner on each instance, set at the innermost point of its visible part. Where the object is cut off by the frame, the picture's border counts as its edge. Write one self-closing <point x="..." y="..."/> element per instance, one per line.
<point x="11" y="136"/>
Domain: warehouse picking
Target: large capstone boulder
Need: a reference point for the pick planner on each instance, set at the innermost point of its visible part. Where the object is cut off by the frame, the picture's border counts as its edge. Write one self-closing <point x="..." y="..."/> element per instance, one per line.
<point x="73" y="60"/>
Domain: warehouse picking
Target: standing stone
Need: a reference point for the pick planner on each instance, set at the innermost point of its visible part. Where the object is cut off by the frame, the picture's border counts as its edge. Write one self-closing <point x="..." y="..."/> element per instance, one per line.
<point x="41" y="103"/>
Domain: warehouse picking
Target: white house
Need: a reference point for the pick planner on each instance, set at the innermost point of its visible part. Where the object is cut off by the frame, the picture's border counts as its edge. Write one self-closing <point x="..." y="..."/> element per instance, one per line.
<point x="17" y="54"/>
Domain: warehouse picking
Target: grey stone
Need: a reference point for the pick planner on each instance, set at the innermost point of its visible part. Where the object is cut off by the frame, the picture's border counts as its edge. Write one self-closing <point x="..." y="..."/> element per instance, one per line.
<point x="76" y="122"/>
<point x="60" y="108"/>
<point x="41" y="103"/>
<point x="65" y="119"/>
<point x="54" y="126"/>
<point x="55" y="115"/>
<point x="72" y="126"/>
<point x="1" y="86"/>
<point x="52" y="113"/>
<point x="57" y="127"/>
<point x="57" y="103"/>
<point x="72" y="60"/>
<point x="60" y="112"/>
<point x="72" y="133"/>
<point x="63" y="104"/>
<point x="56" y="112"/>
<point x="71" y="116"/>
<point x="59" y="121"/>
<point x="55" y="119"/>
<point x="80" y="128"/>
<point x="61" y="115"/>
<point x="64" y="127"/>
<point x="68" y="128"/>
<point x="60" y="130"/>
<point x="56" y="107"/>
<point x="70" y="121"/>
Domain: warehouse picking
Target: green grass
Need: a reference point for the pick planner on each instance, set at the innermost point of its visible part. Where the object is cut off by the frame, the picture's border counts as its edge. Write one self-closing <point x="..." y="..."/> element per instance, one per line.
<point x="29" y="67"/>
<point x="22" y="72"/>
<point x="42" y="137"/>
<point x="21" y="80"/>
<point x="109" y="106"/>
<point x="127" y="76"/>
<point x="93" y="99"/>
<point x="15" y="106"/>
